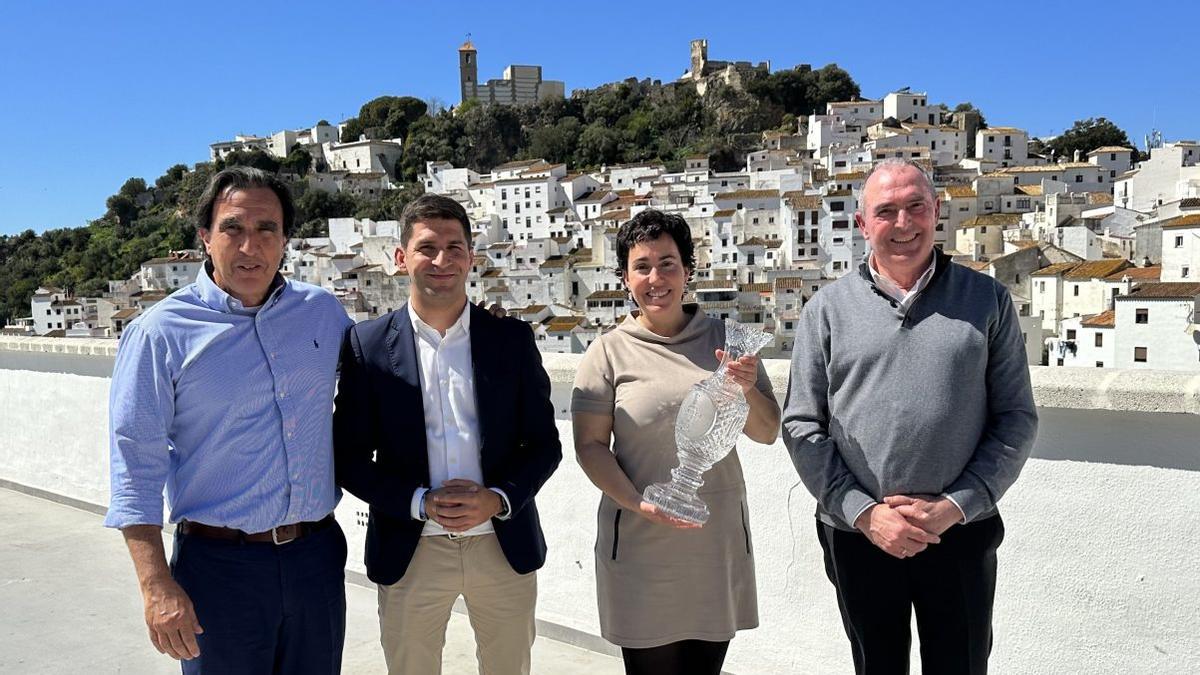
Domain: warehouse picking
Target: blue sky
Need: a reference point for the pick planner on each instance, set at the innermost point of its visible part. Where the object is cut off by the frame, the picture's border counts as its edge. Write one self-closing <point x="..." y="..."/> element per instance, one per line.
<point x="92" y="93"/>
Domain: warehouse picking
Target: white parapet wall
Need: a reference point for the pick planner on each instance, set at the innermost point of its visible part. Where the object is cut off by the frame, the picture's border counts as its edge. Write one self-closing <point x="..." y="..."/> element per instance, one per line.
<point x="1097" y="571"/>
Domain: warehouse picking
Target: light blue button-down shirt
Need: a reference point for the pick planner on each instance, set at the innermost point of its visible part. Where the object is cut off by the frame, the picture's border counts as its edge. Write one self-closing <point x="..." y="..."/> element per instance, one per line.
<point x="230" y="408"/>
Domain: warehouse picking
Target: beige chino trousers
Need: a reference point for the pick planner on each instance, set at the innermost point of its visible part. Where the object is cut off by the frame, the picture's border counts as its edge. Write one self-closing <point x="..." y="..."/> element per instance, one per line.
<point x="414" y="611"/>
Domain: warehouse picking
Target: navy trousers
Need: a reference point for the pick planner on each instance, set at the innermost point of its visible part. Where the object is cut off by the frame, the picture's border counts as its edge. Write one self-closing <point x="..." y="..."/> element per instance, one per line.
<point x="951" y="586"/>
<point x="266" y="608"/>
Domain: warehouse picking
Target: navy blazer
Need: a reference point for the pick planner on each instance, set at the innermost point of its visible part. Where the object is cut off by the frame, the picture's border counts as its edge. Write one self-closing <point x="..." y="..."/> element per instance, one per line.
<point x="379" y="434"/>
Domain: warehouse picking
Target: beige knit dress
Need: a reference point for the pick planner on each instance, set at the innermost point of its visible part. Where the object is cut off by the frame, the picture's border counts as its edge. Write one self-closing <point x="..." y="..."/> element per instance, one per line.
<point x="657" y="584"/>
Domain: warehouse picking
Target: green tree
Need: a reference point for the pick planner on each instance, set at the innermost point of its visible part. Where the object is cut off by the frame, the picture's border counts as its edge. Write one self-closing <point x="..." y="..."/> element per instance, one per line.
<point x="253" y="158"/>
<point x="598" y="144"/>
<point x="967" y="106"/>
<point x="315" y="204"/>
<point x="317" y="227"/>
<point x="491" y="135"/>
<point x="298" y="161"/>
<point x="132" y="188"/>
<point x="171" y="177"/>
<point x="384" y="117"/>
<point x="391" y="204"/>
<point x="1087" y="135"/>
<point x="430" y="139"/>
<point x="555" y="143"/>
<point x="121" y="208"/>
<point x="830" y="84"/>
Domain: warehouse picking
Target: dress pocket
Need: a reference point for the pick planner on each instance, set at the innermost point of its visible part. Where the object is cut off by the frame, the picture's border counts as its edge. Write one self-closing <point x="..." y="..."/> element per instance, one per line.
<point x="616" y="533"/>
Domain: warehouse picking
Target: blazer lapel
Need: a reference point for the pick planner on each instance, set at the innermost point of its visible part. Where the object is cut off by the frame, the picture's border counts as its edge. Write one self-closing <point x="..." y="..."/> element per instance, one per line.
<point x="402" y="352"/>
<point x="483" y="361"/>
<point x="406" y="394"/>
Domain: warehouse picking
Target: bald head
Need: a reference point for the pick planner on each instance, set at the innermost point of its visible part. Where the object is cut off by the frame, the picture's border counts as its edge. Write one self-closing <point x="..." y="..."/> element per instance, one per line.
<point x="893" y="167"/>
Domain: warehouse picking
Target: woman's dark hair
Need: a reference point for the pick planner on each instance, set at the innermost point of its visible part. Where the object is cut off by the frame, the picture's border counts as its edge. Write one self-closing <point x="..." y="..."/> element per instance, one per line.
<point x="650" y="225"/>
<point x="243" y="178"/>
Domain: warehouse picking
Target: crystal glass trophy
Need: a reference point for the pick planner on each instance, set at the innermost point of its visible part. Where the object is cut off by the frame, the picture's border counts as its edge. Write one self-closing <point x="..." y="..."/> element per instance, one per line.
<point x="709" y="421"/>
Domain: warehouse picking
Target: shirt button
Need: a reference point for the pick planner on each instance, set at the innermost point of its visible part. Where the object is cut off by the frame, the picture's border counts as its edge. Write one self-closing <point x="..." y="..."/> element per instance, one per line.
<point x="290" y="434"/>
<point x="283" y="394"/>
<point x="274" y="355"/>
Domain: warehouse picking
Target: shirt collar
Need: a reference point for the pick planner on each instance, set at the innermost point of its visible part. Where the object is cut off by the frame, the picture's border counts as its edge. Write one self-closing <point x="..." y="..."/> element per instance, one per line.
<point x="891" y="287"/>
<point x="212" y="295"/>
<point x="420" y="327"/>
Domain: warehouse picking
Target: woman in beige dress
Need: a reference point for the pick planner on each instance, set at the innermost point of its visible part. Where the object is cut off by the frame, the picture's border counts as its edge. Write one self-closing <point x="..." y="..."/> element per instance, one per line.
<point x="671" y="595"/>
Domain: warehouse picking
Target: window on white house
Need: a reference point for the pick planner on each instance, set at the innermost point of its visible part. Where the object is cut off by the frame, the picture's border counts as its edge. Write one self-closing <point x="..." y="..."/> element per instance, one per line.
<point x="1139" y="354"/>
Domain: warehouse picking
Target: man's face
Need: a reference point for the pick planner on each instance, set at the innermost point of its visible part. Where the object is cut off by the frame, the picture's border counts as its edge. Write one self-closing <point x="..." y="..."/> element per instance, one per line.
<point x="246" y="242"/>
<point x="898" y="218"/>
<point x="437" y="258"/>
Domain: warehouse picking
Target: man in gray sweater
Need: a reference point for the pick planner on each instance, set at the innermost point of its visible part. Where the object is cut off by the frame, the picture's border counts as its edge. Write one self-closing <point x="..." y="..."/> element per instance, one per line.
<point x="909" y="413"/>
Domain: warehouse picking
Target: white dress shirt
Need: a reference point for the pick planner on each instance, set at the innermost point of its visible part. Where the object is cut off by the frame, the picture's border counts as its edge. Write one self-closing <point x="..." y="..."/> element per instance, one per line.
<point x="452" y="435"/>
<point x="905" y="298"/>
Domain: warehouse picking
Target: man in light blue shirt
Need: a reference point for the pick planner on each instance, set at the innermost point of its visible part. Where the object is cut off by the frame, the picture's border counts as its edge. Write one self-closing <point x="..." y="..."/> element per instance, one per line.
<point x="223" y="393"/>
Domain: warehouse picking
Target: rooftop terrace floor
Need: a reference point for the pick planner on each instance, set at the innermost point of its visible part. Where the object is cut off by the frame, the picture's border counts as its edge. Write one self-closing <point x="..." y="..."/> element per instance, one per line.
<point x="71" y="605"/>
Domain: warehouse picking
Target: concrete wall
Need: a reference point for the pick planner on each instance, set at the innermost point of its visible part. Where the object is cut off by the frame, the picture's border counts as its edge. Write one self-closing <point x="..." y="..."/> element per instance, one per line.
<point x="1097" y="573"/>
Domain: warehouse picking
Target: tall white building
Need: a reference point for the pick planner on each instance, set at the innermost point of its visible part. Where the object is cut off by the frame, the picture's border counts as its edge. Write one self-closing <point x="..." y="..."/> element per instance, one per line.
<point x="1007" y="146"/>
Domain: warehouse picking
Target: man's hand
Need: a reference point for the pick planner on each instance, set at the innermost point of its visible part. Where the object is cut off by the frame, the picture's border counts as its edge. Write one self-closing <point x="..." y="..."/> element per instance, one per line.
<point x="744" y="370"/>
<point x="171" y="618"/>
<point x="891" y="532"/>
<point x="461" y="504"/>
<point x="655" y="515"/>
<point x="928" y="512"/>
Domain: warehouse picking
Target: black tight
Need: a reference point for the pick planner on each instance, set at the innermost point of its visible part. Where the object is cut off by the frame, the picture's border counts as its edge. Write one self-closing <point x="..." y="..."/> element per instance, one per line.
<point x="686" y="657"/>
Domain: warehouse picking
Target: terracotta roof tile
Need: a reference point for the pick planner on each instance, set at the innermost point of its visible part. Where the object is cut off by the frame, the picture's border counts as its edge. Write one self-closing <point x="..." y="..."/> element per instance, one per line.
<point x="1152" y="273"/>
<point x="1190" y="220"/>
<point x="992" y="220"/>
<point x="563" y="323"/>
<point x="1096" y="269"/>
<point x="1165" y="291"/>
<point x="1053" y="270"/>
<point x="959" y="191"/>
<point x="1106" y="319"/>
<point x="748" y="194"/>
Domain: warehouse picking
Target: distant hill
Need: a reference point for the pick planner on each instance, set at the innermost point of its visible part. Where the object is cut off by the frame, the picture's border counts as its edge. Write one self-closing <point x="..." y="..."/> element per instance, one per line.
<point x="621" y="122"/>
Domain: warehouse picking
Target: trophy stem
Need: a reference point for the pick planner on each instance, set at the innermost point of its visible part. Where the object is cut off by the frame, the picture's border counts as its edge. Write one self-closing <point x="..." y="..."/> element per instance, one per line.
<point x="678" y="497"/>
<point x="690" y="476"/>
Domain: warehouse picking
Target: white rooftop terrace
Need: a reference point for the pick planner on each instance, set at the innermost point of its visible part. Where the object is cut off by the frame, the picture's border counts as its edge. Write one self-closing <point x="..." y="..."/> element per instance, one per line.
<point x="1097" y="571"/>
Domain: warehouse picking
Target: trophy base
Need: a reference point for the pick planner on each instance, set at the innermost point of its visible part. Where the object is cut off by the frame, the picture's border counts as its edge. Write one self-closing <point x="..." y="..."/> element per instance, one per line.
<point x="671" y="502"/>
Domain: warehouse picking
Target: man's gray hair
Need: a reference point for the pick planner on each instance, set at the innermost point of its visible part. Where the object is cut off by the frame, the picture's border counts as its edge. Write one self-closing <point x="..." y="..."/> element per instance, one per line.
<point x="895" y="164"/>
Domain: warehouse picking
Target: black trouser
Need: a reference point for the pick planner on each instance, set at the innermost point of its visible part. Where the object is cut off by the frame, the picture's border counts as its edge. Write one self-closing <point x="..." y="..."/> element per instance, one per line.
<point x="686" y="657"/>
<point x="951" y="586"/>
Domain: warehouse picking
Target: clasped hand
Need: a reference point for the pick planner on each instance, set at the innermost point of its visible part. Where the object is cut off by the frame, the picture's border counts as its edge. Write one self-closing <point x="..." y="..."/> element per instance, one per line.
<point x="460" y="504"/>
<point x="904" y="525"/>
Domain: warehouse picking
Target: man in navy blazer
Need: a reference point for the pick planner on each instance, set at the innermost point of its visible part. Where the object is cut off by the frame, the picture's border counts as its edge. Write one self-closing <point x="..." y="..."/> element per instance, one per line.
<point x="444" y="425"/>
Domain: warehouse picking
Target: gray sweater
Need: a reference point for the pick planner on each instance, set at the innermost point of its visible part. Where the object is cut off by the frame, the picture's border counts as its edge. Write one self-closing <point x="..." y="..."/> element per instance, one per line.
<point x="933" y="401"/>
